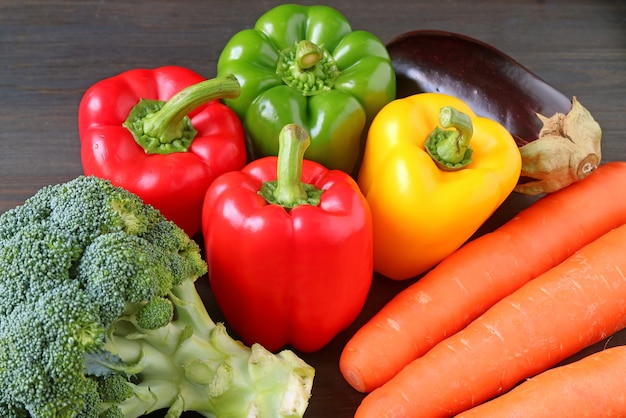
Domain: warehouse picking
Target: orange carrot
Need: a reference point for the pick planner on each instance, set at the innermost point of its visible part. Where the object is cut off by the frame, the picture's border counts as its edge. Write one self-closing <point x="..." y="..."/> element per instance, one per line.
<point x="482" y="272"/>
<point x="571" y="306"/>
<point x="590" y="387"/>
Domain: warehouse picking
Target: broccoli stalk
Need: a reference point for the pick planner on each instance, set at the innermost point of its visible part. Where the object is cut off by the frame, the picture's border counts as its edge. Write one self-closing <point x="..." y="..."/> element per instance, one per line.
<point x="192" y="364"/>
<point x="100" y="317"/>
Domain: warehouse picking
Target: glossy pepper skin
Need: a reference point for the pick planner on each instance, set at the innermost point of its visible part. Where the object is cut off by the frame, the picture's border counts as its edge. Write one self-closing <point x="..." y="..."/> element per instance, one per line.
<point x="167" y="172"/>
<point x="342" y="80"/>
<point x="422" y="213"/>
<point x="286" y="273"/>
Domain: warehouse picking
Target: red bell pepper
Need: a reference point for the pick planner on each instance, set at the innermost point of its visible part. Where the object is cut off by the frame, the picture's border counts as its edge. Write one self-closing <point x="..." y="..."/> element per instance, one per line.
<point x="289" y="248"/>
<point x="168" y="153"/>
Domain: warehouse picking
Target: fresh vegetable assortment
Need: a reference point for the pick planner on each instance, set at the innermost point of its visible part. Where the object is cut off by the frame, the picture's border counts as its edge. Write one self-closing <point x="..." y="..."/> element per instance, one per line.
<point x="422" y="212"/>
<point x="305" y="65"/>
<point x="558" y="138"/>
<point x="162" y="134"/>
<point x="317" y="156"/>
<point x="289" y="248"/>
<point x="483" y="271"/>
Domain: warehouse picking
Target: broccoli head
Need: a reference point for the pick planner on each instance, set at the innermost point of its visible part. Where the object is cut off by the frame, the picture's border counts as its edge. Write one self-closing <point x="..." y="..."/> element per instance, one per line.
<point x="100" y="317"/>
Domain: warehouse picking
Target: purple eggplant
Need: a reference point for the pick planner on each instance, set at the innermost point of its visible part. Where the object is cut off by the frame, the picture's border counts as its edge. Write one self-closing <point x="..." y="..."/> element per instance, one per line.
<point x="558" y="138"/>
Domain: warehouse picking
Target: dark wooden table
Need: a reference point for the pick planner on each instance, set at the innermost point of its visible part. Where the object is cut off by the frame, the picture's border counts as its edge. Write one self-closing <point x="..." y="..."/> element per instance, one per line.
<point x="52" y="51"/>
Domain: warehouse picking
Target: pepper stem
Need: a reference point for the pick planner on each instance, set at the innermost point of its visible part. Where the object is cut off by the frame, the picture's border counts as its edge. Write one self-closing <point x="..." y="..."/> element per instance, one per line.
<point x="307" y="54"/>
<point x="292" y="143"/>
<point x="307" y="67"/>
<point x="288" y="190"/>
<point x="163" y="127"/>
<point x="450" y="148"/>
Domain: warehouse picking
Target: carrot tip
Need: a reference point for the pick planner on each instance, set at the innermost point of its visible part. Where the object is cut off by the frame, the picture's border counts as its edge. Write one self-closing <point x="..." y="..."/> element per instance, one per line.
<point x="354" y="379"/>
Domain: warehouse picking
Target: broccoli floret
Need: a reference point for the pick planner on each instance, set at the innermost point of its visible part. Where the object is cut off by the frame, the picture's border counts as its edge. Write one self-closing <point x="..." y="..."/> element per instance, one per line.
<point x="155" y="314"/>
<point x="100" y="318"/>
<point x="114" y="388"/>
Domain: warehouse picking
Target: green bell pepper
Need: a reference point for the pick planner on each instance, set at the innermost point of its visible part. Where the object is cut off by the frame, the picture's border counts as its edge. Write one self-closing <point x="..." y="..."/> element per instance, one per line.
<point x="305" y="65"/>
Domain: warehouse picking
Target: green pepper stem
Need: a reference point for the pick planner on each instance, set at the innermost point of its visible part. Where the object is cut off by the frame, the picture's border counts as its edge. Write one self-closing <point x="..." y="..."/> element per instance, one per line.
<point x="289" y="190"/>
<point x="450" y="148"/>
<point x="164" y="127"/>
<point x="307" y="67"/>
<point x="307" y="54"/>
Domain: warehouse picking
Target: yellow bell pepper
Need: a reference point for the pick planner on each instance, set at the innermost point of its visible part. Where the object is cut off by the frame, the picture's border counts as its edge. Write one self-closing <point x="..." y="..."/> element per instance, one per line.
<point x="422" y="212"/>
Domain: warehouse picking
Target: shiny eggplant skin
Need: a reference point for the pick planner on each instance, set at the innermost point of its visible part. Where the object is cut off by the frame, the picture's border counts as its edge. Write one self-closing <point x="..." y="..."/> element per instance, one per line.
<point x="492" y="83"/>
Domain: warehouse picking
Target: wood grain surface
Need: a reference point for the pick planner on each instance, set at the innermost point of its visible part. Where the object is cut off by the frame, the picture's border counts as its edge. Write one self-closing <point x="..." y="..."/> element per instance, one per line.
<point x="52" y="51"/>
